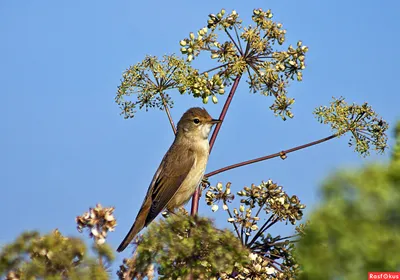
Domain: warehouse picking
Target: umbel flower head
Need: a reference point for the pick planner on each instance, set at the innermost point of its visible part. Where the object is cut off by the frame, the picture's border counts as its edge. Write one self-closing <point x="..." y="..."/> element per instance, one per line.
<point x="235" y="50"/>
<point x="366" y="128"/>
<point x="261" y="206"/>
<point x="149" y="81"/>
<point x="252" y="50"/>
<point x="99" y="221"/>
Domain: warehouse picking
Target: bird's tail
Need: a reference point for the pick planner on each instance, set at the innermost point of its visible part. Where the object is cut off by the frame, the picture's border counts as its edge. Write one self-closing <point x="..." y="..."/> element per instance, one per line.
<point x="136" y="227"/>
<point x="139" y="224"/>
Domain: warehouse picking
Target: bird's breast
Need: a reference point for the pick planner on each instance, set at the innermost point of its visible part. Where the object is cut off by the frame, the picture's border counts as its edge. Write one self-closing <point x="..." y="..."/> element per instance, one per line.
<point x="193" y="178"/>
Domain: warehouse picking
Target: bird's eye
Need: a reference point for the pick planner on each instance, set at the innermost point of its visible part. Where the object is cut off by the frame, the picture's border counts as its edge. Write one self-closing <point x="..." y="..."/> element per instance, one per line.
<point x="196" y="121"/>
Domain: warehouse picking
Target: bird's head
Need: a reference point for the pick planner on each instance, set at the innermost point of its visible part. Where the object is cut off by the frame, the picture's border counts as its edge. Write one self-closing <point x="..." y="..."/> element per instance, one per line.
<point x="196" y="123"/>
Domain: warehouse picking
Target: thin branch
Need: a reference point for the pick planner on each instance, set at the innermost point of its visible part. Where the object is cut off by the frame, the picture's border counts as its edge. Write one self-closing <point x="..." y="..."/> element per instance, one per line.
<point x="224" y="111"/>
<point x="234" y="224"/>
<point x="274" y="264"/>
<point x="171" y="121"/>
<point x="196" y="196"/>
<point x="286" y="237"/>
<point x="234" y="42"/>
<point x="246" y="52"/>
<point x="215" y="68"/>
<point x="100" y="257"/>
<point x="258" y="232"/>
<point x="241" y="231"/>
<point x="284" y="152"/>
<point x="261" y="231"/>
<point x="238" y="38"/>
<point x="261" y="56"/>
<point x="258" y="212"/>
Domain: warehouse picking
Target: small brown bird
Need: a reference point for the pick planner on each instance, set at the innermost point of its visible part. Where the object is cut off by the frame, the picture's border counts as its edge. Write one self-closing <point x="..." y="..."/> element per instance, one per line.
<point x="180" y="171"/>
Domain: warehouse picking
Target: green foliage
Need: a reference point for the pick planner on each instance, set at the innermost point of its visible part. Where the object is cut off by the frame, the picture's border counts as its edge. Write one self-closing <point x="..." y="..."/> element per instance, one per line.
<point x="51" y="256"/>
<point x="364" y="124"/>
<point x="181" y="245"/>
<point x="356" y="228"/>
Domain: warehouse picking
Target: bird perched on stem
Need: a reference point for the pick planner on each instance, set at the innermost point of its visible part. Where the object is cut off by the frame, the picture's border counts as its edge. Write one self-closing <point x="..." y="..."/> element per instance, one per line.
<point x="180" y="171"/>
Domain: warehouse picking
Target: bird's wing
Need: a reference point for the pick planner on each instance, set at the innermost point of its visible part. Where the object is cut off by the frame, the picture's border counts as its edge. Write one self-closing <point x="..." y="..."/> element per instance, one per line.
<point x="176" y="166"/>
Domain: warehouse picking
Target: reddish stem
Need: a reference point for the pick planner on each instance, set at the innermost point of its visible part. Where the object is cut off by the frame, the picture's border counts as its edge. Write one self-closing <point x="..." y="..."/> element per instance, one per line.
<point x="282" y="153"/>
<point x="224" y="111"/>
<point x="196" y="195"/>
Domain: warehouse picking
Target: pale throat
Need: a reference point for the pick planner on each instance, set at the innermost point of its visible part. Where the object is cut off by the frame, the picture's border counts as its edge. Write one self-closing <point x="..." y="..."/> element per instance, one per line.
<point x="205" y="130"/>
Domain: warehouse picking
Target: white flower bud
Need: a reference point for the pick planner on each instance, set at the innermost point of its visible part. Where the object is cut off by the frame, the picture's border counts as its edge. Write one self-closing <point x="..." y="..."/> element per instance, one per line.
<point x="270" y="270"/>
<point x="214" y="99"/>
<point x="253" y="256"/>
<point x="95" y="232"/>
<point x="109" y="217"/>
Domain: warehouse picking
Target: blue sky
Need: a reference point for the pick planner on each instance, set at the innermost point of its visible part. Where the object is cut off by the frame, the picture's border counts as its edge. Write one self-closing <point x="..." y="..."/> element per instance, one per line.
<point x="64" y="147"/>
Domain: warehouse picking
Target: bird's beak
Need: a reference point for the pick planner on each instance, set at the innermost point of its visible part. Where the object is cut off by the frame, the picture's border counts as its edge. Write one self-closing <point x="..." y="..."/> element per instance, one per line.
<point x="213" y="121"/>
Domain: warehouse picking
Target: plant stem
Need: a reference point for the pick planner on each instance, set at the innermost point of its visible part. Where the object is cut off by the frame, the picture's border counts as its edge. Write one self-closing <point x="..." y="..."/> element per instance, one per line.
<point x="284" y="152"/>
<point x="196" y="196"/>
<point x="171" y="121"/>
<point x="234" y="224"/>
<point x="215" y="68"/>
<point x="234" y="42"/>
<point x="224" y="111"/>
<point x="101" y="261"/>
<point x="260" y="231"/>
<point x="100" y="258"/>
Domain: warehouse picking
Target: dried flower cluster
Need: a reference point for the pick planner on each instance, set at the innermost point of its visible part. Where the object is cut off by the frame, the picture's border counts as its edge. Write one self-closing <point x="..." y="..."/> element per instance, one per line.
<point x="273" y="254"/>
<point x="366" y="128"/>
<point x="99" y="221"/>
